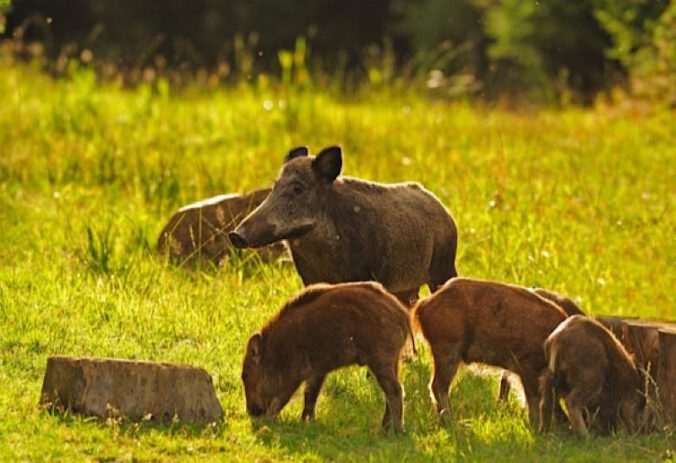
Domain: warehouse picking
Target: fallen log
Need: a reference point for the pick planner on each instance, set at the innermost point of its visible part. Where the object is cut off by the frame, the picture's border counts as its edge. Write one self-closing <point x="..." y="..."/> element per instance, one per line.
<point x="135" y="390"/>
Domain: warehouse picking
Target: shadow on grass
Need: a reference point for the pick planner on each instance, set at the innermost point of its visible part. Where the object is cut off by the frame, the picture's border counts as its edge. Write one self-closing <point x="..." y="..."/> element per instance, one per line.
<point x="132" y="427"/>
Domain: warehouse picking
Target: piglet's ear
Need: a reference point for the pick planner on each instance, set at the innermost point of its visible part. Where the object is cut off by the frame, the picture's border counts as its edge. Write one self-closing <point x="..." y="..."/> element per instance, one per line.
<point x="296" y="152"/>
<point x="329" y="162"/>
<point x="255" y="347"/>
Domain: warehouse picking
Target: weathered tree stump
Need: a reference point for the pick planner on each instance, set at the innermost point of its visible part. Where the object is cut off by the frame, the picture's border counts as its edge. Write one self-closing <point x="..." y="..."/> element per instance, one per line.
<point x="136" y="390"/>
<point x="641" y="338"/>
<point x="199" y="231"/>
<point x="666" y="379"/>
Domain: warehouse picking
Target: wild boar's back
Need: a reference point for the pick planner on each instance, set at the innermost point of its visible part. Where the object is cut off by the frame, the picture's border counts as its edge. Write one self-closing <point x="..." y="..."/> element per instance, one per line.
<point x="400" y="235"/>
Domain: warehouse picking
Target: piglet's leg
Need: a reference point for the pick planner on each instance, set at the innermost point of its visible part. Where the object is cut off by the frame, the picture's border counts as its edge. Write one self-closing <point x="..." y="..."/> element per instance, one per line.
<point x="575" y="403"/>
<point x="394" y="397"/>
<point x="312" y="388"/>
<point x="531" y="389"/>
<point x="445" y="366"/>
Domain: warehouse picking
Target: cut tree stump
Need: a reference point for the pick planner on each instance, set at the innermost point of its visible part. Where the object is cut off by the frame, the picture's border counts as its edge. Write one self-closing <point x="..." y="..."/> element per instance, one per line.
<point x="199" y="231"/>
<point x="641" y="338"/>
<point x="666" y="379"/>
<point x="136" y="390"/>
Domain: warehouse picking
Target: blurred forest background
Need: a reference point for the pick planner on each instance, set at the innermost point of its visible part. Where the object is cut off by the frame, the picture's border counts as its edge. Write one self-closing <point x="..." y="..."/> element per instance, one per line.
<point x="544" y="51"/>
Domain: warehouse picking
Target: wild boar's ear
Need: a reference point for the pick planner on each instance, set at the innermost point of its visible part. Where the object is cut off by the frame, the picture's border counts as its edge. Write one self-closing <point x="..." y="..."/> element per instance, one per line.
<point x="296" y="152"/>
<point x="255" y="347"/>
<point x="329" y="162"/>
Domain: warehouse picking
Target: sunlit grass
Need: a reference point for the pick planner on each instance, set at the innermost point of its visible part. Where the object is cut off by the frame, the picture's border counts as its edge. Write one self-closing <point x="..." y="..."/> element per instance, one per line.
<point x="579" y="201"/>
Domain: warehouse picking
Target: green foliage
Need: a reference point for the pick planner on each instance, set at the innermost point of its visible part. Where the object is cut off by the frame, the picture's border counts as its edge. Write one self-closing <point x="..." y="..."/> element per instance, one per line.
<point x="645" y="41"/>
<point x="550" y="51"/>
<point x="579" y="201"/>
<point x="630" y="24"/>
<point x="5" y="6"/>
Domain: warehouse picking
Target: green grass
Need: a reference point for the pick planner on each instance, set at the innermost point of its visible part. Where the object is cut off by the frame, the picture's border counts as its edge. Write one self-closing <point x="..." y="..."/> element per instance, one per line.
<point x="579" y="201"/>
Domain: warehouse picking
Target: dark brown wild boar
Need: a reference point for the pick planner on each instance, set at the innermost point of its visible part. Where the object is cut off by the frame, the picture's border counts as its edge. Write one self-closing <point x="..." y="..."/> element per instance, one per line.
<point x="594" y="374"/>
<point x="487" y="322"/>
<point x="200" y="230"/>
<point x="342" y="229"/>
<point x="562" y="301"/>
<point x="324" y="328"/>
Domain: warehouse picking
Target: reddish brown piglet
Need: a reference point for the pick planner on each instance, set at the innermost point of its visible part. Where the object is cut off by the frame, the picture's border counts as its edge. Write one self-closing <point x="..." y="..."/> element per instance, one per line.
<point x="487" y="322"/>
<point x="324" y="328"/>
<point x="595" y="375"/>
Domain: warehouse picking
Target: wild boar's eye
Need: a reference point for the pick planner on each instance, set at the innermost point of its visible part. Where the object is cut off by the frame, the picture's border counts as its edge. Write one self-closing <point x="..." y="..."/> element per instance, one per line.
<point x="297" y="188"/>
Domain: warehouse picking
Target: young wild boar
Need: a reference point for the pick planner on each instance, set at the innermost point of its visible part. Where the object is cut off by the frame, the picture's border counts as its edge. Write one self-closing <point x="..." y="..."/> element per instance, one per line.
<point x="487" y="322"/>
<point x="324" y="328"/>
<point x="595" y="375"/>
<point x="342" y="229"/>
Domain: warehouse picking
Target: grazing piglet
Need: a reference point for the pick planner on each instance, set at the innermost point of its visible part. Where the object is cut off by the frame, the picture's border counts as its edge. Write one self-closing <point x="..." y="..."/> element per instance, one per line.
<point x="342" y="229"/>
<point x="589" y="367"/>
<point x="324" y="328"/>
<point x="487" y="322"/>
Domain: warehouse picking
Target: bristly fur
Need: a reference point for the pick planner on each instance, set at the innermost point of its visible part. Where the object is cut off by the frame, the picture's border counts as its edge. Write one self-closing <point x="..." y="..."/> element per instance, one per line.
<point x="302" y="298"/>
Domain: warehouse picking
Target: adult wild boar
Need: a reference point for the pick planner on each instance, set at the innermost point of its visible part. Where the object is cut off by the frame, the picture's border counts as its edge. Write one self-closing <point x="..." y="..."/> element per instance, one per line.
<point x="595" y="375"/>
<point x="324" y="328"/>
<point x="487" y="322"/>
<point x="342" y="229"/>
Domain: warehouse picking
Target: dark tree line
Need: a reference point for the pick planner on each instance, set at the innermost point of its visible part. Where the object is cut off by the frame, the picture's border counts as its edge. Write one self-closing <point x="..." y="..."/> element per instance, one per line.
<point x="493" y="46"/>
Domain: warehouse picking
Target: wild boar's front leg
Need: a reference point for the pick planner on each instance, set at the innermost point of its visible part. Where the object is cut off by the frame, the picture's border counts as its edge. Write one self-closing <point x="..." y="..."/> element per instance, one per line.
<point x="312" y="388"/>
<point x="409" y="297"/>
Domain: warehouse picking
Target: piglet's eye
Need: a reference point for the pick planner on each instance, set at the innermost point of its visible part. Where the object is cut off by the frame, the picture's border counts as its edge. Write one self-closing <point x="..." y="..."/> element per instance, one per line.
<point x="297" y="188"/>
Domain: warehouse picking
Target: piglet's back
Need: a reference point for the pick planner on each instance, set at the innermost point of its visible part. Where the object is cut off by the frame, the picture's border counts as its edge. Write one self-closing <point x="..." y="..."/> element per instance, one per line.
<point x="488" y="306"/>
<point x="585" y="340"/>
<point x="323" y="315"/>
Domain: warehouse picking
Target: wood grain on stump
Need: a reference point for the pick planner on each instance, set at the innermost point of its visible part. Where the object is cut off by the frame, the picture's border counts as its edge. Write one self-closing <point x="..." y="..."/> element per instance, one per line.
<point x="132" y="389"/>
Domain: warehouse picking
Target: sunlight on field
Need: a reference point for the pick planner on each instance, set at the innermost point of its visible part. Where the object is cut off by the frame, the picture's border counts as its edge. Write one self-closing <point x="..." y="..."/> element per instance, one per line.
<point x="578" y="201"/>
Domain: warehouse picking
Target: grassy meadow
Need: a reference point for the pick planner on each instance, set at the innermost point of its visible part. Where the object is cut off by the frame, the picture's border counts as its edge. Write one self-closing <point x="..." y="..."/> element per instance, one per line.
<point x="575" y="200"/>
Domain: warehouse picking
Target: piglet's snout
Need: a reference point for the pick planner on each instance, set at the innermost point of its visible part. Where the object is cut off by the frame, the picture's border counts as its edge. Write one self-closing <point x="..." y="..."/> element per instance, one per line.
<point x="238" y="240"/>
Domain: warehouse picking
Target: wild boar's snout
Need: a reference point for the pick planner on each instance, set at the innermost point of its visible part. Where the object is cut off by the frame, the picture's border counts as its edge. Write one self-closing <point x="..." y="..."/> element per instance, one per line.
<point x="237" y="240"/>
